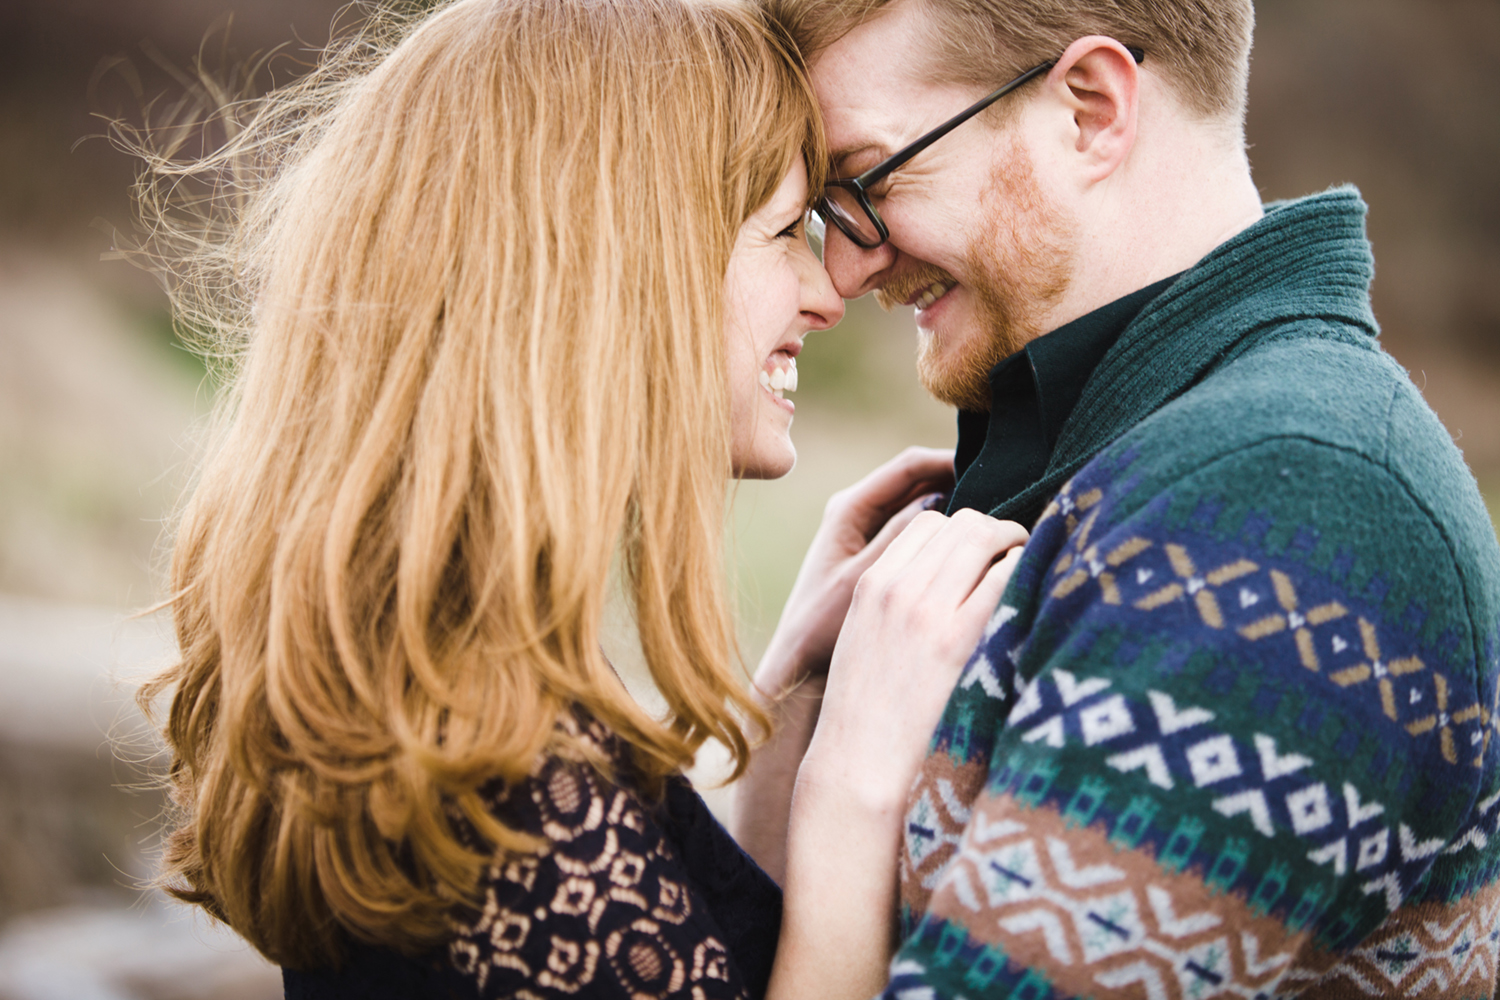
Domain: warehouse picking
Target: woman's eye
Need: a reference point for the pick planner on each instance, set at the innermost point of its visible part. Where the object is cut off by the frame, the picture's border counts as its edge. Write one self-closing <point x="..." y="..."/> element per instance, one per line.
<point x="791" y="232"/>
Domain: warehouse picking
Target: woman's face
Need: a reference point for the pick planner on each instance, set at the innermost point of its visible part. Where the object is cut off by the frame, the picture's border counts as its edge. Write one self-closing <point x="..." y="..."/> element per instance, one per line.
<point x="775" y="291"/>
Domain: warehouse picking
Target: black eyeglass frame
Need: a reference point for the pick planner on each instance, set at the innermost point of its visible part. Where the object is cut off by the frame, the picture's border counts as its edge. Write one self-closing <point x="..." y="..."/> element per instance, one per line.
<point x="859" y="186"/>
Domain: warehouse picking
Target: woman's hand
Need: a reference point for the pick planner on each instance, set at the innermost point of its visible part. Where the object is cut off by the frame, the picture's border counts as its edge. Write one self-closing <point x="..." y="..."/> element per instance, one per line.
<point x="858" y="524"/>
<point x="916" y="617"/>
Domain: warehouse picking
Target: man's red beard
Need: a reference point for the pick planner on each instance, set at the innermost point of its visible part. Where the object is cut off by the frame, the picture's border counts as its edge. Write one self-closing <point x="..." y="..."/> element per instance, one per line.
<point x="1021" y="261"/>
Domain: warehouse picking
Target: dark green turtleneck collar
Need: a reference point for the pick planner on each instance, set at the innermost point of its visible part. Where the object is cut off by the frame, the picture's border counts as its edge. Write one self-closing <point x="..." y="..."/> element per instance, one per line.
<point x="1032" y="394"/>
<point x="1306" y="260"/>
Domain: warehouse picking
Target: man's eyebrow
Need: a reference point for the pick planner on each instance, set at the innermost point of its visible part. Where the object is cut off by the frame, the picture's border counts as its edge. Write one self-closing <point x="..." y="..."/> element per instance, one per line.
<point x="837" y="157"/>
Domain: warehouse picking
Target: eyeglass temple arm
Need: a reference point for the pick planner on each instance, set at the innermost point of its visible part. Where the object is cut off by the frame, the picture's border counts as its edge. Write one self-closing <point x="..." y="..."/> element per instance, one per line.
<point x="903" y="155"/>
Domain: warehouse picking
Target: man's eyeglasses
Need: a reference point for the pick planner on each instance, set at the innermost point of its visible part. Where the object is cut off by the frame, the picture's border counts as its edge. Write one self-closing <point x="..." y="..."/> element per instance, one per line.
<point x="846" y="201"/>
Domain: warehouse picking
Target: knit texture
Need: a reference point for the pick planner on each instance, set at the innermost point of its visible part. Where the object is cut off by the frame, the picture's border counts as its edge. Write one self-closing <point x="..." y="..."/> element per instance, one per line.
<point x="1231" y="730"/>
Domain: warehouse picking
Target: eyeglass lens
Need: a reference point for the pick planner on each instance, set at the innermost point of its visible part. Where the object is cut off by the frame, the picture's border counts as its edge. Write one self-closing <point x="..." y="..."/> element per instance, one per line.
<point x="844" y="210"/>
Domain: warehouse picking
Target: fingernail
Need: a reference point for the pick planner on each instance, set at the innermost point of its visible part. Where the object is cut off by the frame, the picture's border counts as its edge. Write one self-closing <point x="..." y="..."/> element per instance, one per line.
<point x="935" y="501"/>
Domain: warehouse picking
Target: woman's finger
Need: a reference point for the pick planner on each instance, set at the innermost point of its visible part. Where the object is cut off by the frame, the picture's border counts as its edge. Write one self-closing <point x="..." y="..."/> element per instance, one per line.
<point x="907" y="545"/>
<point x="889" y="488"/>
<point x="967" y="623"/>
<point x="986" y="596"/>
<point x="952" y="562"/>
<point x="888" y="532"/>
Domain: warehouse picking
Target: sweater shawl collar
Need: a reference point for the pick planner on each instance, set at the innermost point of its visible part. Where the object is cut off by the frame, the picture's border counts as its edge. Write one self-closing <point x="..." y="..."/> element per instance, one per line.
<point x="1306" y="259"/>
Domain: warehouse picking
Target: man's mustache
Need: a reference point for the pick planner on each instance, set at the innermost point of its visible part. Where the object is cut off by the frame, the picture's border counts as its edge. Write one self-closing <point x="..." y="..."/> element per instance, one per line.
<point x="903" y="288"/>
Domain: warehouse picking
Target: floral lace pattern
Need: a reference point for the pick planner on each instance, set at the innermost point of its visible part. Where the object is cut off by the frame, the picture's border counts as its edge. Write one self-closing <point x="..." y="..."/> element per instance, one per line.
<point x="607" y="909"/>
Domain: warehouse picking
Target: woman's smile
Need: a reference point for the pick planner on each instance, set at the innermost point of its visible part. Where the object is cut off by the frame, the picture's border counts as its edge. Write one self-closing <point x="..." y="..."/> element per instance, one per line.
<point x="779" y="376"/>
<point x="775" y="293"/>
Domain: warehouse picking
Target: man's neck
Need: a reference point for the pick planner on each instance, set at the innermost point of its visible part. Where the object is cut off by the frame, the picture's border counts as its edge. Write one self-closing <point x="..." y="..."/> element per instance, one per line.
<point x="1185" y="191"/>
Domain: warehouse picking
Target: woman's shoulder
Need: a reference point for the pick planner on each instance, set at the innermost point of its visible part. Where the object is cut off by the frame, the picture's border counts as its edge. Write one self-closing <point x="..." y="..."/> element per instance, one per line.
<point x="626" y="896"/>
<point x="606" y="907"/>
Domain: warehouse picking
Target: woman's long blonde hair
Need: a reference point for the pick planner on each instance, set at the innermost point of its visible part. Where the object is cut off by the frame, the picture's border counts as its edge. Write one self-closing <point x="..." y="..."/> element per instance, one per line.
<point x="467" y="279"/>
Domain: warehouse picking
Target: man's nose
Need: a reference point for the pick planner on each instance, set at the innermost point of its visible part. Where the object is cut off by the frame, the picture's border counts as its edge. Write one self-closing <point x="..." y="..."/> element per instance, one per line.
<point x="821" y="303"/>
<point x="855" y="270"/>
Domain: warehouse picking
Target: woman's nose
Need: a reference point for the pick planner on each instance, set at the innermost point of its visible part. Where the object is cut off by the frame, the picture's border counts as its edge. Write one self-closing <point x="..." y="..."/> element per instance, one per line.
<point x="821" y="302"/>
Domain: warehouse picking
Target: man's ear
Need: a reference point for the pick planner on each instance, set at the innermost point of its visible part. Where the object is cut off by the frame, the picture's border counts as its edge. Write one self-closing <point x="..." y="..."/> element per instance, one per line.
<point x="1100" y="82"/>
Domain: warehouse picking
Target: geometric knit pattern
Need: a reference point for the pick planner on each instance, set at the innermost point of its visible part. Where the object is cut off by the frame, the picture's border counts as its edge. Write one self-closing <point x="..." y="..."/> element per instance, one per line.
<point x="1129" y="841"/>
<point x="1232" y="731"/>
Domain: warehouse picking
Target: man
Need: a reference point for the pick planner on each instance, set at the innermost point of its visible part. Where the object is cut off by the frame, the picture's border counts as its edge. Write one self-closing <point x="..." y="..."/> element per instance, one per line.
<point x="1232" y="728"/>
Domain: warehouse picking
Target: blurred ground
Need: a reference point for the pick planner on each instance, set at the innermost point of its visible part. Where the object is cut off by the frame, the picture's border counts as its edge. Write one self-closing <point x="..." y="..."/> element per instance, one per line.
<point x="98" y="407"/>
<point x="78" y="820"/>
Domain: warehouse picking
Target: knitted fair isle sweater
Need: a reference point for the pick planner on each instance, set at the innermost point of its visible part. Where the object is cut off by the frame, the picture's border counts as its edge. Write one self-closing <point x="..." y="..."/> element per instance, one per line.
<point x="1231" y="730"/>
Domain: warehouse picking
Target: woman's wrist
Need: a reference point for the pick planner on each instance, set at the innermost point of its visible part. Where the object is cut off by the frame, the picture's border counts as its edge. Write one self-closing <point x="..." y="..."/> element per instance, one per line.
<point x="874" y="789"/>
<point x="838" y="925"/>
<point x="784" y="666"/>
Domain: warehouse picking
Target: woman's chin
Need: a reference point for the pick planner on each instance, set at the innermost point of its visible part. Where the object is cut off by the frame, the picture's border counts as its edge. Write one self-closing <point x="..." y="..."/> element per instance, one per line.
<point x="767" y="462"/>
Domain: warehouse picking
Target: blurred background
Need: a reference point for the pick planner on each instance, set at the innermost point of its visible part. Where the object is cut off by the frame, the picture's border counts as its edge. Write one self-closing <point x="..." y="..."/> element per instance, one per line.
<point x="99" y="404"/>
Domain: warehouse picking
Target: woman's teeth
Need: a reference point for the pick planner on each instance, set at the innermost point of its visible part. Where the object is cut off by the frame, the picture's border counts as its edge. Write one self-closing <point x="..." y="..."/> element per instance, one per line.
<point x="780" y="380"/>
<point x="935" y="291"/>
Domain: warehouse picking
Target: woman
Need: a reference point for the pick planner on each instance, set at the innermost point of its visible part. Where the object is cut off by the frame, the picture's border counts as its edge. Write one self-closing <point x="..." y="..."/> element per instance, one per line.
<point x="506" y="295"/>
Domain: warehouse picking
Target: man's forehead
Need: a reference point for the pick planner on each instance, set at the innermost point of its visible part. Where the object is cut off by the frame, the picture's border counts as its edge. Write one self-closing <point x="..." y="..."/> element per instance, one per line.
<point x="871" y="85"/>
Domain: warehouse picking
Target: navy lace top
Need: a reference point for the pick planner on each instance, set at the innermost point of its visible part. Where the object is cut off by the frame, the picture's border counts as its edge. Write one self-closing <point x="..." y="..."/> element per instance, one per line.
<point x="628" y="900"/>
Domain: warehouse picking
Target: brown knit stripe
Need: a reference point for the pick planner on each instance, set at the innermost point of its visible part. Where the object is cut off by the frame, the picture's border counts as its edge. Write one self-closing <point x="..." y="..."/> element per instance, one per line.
<point x="942" y="783"/>
<point x="1109" y="923"/>
<point x="1429" y="951"/>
